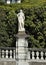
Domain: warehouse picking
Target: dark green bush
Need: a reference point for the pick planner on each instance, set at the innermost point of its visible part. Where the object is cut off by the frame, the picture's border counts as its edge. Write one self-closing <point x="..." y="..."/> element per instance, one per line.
<point x="35" y="24"/>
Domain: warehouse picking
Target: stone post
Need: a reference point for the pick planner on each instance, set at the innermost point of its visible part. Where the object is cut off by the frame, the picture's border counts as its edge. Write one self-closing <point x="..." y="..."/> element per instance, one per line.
<point x="21" y="48"/>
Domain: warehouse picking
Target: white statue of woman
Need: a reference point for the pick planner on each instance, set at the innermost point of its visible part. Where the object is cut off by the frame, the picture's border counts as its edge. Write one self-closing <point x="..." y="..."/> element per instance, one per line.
<point x="21" y="19"/>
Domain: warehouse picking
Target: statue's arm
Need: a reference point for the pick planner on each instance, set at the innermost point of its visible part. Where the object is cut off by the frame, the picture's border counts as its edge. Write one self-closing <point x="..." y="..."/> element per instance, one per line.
<point x="18" y="15"/>
<point x="24" y="17"/>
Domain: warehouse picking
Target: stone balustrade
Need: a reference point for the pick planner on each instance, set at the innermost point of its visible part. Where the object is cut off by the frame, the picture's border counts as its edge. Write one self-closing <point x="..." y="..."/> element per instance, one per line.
<point x="7" y="52"/>
<point x="37" y="54"/>
<point x="32" y="53"/>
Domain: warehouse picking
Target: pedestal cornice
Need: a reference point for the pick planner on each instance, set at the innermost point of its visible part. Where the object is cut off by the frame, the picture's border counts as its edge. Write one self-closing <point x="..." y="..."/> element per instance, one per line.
<point x="22" y="34"/>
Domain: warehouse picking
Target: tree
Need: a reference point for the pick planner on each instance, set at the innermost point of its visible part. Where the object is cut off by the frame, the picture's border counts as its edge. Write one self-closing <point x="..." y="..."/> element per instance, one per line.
<point x="7" y="28"/>
<point x="35" y="24"/>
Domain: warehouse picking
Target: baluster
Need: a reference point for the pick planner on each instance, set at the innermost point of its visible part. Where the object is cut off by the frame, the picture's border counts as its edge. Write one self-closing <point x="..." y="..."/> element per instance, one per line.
<point x="2" y="53"/>
<point x="33" y="53"/>
<point x="42" y="55"/>
<point x="10" y="53"/>
<point x="37" y="54"/>
<point x="6" y="53"/>
<point x="45" y="55"/>
<point x="14" y="54"/>
<point x="16" y="48"/>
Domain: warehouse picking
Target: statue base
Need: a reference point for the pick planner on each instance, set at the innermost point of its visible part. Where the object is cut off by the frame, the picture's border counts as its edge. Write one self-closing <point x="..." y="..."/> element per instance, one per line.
<point x="21" y="48"/>
<point x="22" y="34"/>
<point x="22" y="62"/>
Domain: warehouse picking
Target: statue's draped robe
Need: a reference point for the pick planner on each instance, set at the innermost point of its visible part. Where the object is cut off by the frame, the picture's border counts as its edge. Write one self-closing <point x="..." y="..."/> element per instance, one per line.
<point x="21" y="19"/>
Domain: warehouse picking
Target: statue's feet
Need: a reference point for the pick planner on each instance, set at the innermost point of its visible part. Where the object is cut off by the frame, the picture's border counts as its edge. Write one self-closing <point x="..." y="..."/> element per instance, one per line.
<point x="21" y="30"/>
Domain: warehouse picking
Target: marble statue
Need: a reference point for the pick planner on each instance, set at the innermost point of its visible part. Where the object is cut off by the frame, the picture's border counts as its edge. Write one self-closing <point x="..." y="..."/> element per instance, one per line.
<point x="21" y="19"/>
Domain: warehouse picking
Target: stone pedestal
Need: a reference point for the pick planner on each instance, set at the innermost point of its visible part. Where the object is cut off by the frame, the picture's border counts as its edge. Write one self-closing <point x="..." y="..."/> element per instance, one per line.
<point x="21" y="48"/>
<point x="22" y="62"/>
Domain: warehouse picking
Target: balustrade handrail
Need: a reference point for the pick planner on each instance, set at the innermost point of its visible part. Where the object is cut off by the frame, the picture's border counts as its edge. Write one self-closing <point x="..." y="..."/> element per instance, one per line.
<point x="37" y="49"/>
<point x="8" y="52"/>
<point x="8" y="48"/>
<point x="32" y="53"/>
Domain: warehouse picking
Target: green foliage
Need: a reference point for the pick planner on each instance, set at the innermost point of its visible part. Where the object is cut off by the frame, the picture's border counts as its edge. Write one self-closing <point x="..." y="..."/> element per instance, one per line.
<point x="35" y="24"/>
<point x="1" y="2"/>
<point x="7" y="27"/>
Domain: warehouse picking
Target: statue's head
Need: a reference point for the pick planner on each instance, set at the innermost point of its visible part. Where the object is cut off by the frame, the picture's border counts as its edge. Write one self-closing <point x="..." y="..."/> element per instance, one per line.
<point x="21" y="10"/>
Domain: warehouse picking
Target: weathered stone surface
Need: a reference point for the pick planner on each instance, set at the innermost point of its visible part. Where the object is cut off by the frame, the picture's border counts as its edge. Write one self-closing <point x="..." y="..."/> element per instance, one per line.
<point x="14" y="63"/>
<point x="7" y="63"/>
<point x="37" y="63"/>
